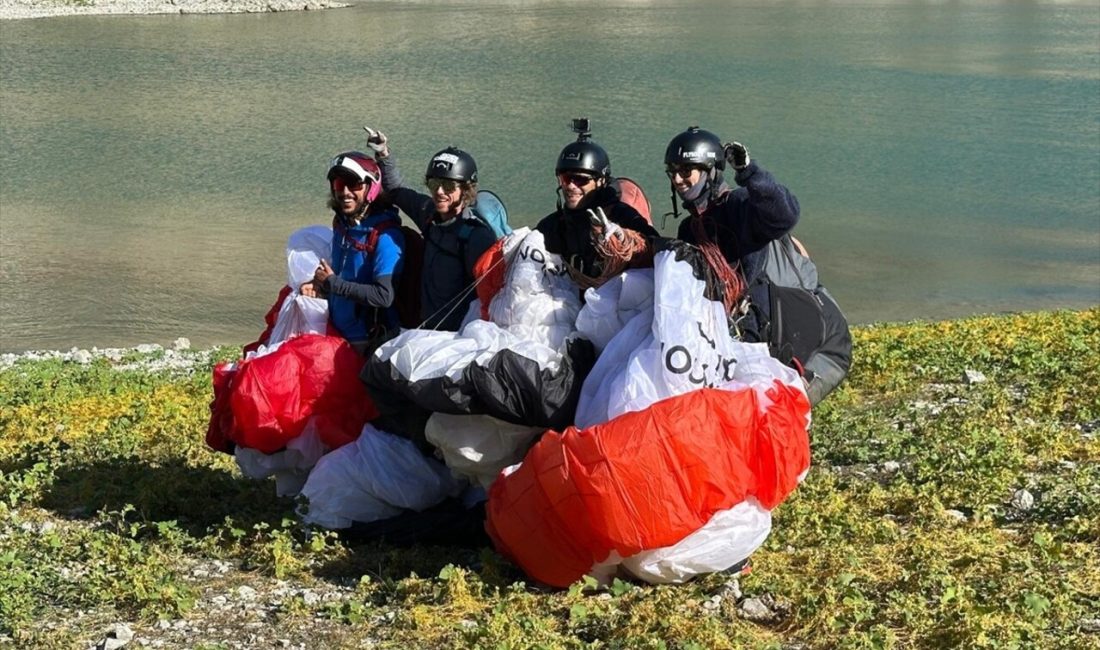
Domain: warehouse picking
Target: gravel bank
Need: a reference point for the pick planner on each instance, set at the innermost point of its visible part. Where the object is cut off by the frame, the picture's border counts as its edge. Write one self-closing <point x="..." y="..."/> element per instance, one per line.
<point x="18" y="9"/>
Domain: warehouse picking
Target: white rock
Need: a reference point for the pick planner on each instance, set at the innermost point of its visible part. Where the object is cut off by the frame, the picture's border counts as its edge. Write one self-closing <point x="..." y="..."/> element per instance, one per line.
<point x="754" y="609"/>
<point x="1023" y="500"/>
<point x="148" y="348"/>
<point x="310" y="597"/>
<point x="83" y="357"/>
<point x="119" y="636"/>
<point x="957" y="515"/>
<point x="219" y="601"/>
<point x="182" y="343"/>
<point x="891" y="466"/>
<point x="244" y="592"/>
<point x="973" y="377"/>
<point x="1090" y="625"/>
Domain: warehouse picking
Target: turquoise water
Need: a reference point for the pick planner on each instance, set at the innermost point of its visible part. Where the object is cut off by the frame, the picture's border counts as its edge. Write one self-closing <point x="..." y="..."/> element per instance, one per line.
<point x="946" y="155"/>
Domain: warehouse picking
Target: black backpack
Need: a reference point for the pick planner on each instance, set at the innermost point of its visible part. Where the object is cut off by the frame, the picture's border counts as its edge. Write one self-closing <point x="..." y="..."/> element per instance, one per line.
<point x="806" y="329"/>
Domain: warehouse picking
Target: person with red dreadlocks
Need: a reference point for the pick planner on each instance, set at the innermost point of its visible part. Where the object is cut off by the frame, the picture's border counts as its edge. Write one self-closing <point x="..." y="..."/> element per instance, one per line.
<point x="367" y="254"/>
<point x="769" y="286"/>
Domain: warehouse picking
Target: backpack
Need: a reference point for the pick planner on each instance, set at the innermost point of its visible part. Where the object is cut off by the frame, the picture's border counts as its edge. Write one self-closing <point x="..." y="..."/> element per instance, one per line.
<point x="631" y="194"/>
<point x="490" y="210"/>
<point x="806" y="329"/>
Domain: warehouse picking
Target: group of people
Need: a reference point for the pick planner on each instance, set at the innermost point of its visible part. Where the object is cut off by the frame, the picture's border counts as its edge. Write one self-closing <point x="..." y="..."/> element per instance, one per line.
<point x="761" y="274"/>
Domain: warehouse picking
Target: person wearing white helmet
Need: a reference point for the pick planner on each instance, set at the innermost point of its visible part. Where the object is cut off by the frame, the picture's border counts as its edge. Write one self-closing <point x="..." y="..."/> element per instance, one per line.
<point x="367" y="254"/>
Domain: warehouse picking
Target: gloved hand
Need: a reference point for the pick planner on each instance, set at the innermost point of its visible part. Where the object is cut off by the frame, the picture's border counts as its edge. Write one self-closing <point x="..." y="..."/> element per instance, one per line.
<point x="378" y="143"/>
<point x="736" y="155"/>
<point x="600" y="220"/>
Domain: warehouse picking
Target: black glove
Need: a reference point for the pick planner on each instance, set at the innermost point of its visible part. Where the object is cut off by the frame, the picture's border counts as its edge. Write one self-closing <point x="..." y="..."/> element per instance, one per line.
<point x="736" y="155"/>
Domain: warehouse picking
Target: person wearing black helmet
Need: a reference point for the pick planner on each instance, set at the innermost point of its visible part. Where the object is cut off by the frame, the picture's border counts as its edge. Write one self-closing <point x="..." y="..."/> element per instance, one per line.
<point x="454" y="237"/>
<point x="367" y="254"/>
<point x="586" y="197"/>
<point x="745" y="234"/>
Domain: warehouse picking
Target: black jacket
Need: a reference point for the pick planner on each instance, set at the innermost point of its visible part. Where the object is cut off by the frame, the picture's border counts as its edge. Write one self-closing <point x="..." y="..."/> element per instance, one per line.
<point x="569" y="232"/>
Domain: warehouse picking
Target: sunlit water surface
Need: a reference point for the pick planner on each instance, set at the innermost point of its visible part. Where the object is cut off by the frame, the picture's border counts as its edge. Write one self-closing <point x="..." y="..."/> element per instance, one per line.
<point x="946" y="155"/>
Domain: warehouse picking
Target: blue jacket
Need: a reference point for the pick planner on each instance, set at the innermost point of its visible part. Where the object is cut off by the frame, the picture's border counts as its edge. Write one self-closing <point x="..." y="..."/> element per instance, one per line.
<point x="361" y="291"/>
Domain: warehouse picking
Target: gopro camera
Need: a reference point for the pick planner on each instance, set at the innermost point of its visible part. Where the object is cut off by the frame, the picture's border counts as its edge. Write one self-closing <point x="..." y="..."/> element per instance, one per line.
<point x="582" y="126"/>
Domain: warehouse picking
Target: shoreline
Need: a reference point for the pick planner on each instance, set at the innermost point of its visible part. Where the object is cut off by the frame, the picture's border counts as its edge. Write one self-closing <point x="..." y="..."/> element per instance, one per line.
<point x="27" y="9"/>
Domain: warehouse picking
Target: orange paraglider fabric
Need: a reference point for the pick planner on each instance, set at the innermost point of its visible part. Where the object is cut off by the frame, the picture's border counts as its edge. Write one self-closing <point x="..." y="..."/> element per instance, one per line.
<point x="308" y="376"/>
<point x="647" y="479"/>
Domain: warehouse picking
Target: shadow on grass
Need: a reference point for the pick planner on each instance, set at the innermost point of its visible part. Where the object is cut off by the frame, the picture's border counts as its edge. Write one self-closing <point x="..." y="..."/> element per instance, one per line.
<point x="197" y="498"/>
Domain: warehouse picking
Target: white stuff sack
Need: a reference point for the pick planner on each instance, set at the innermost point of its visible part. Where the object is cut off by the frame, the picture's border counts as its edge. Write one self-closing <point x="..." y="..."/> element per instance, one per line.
<point x="376" y="477"/>
<point x="478" y="447"/>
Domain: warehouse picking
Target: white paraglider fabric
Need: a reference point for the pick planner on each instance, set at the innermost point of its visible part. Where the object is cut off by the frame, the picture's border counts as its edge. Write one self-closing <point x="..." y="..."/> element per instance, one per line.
<point x="289" y="467"/>
<point x="305" y="248"/>
<point x="538" y="302"/>
<point x="609" y="307"/>
<point x="300" y="315"/>
<point x="478" y="447"/>
<point x="729" y="537"/>
<point x="377" y="477"/>
<point x="530" y="316"/>
<point x="680" y="344"/>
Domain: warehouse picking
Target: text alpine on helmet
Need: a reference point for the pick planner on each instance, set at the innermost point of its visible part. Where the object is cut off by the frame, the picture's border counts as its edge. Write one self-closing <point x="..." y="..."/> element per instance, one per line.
<point x="357" y="166"/>
<point x="454" y="164"/>
<point x="696" y="147"/>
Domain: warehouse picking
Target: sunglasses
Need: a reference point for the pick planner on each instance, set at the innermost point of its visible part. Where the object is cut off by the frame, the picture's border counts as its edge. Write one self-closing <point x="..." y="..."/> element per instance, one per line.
<point x="683" y="171"/>
<point x="447" y="184"/>
<point x="341" y="182"/>
<point x="580" y="180"/>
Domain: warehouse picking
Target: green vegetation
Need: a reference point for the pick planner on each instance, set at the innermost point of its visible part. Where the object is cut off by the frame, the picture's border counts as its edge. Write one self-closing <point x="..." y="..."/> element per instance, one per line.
<point x="910" y="531"/>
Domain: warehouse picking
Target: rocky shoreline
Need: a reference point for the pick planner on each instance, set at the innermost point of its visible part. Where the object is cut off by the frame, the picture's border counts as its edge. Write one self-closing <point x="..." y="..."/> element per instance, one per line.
<point x="21" y="9"/>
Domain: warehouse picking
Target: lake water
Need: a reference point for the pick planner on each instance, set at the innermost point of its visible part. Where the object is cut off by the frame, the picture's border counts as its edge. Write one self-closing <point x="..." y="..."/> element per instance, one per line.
<point x="946" y="155"/>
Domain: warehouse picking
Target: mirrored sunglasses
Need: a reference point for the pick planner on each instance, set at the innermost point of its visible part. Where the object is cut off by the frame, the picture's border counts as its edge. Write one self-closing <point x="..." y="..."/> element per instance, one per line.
<point x="353" y="184"/>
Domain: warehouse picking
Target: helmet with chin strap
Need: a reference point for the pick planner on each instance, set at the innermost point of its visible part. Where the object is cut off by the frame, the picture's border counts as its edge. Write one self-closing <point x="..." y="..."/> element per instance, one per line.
<point x="454" y="164"/>
<point x="696" y="147"/>
<point x="359" y="167"/>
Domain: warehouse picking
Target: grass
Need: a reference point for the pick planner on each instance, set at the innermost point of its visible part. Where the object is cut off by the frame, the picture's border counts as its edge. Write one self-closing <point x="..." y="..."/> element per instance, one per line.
<point x="903" y="535"/>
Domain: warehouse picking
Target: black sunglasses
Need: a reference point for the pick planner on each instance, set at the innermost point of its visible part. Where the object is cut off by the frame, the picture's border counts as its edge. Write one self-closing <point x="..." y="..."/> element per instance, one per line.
<point x="447" y="184"/>
<point x="683" y="171"/>
<point x="580" y="180"/>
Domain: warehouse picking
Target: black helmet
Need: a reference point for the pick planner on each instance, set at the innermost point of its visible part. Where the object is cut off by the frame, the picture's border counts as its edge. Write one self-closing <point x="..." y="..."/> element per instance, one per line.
<point x="695" y="147"/>
<point x="584" y="156"/>
<point x="452" y="163"/>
